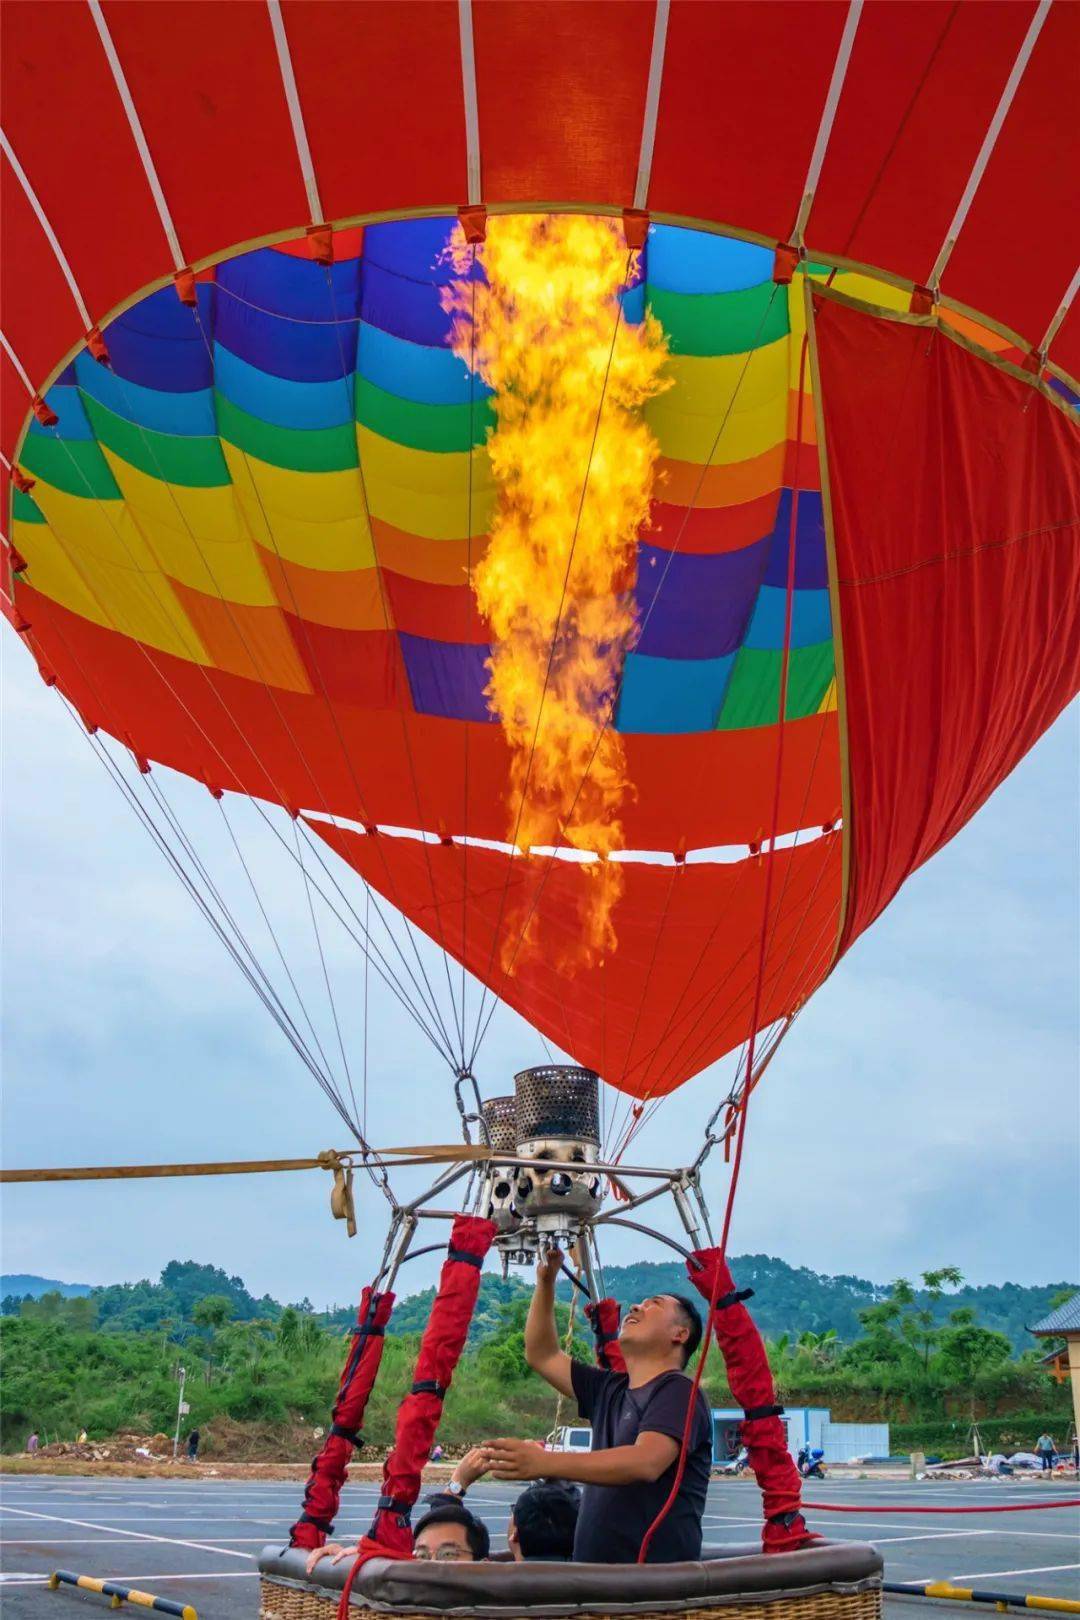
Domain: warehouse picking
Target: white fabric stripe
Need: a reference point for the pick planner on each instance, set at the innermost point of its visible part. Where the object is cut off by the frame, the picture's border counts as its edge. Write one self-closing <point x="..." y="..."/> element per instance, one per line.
<point x="713" y="854"/>
<point x="1012" y="84"/>
<point x="137" y="131"/>
<point x="296" y="112"/>
<point x="17" y="363"/>
<point x="828" y="116"/>
<point x="652" y="102"/>
<point x="1062" y="310"/>
<point x="43" y="221"/>
<point x="472" y="113"/>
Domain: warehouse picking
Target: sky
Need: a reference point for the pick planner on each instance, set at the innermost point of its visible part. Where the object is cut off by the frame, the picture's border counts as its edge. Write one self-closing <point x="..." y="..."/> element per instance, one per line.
<point x="924" y="1110"/>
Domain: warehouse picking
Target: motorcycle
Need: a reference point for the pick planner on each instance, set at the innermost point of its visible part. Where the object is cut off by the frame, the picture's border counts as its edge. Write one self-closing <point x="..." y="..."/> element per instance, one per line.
<point x="810" y="1462"/>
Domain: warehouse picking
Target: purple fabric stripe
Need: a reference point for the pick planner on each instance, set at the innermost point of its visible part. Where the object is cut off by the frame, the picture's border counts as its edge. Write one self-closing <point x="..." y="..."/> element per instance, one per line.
<point x="697" y="606"/>
<point x="446" y="678"/>
<point x="811" y="567"/>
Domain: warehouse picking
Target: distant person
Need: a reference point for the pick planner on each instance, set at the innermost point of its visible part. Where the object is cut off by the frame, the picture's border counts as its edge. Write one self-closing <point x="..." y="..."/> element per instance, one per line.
<point x="82" y="1438"/>
<point x="1046" y="1451"/>
<point x="32" y="1443"/>
<point x="193" y="1445"/>
<point x="436" y="1453"/>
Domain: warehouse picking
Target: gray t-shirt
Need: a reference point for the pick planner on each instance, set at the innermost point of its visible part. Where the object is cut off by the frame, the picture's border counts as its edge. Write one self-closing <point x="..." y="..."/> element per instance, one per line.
<point x="614" y="1518"/>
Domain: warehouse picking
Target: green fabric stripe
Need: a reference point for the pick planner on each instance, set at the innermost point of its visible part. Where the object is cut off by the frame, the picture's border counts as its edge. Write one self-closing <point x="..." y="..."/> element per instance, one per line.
<point x="23" y="509"/>
<point x="75" y="466"/>
<point x="721" y="323"/>
<point x="421" y="427"/>
<point x="171" y="457"/>
<point x="299" y="449"/>
<point x="753" y="694"/>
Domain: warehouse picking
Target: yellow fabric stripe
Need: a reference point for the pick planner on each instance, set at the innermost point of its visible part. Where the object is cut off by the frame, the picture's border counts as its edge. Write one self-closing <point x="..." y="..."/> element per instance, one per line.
<point x="746" y="433"/>
<point x="426" y="493"/>
<point x="828" y="702"/>
<point x="106" y="551"/>
<point x="704" y="384"/>
<point x="198" y="535"/>
<point x="316" y="519"/>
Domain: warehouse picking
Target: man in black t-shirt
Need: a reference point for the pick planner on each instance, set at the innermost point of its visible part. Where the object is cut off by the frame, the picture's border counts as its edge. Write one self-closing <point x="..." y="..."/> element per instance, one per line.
<point x="637" y="1420"/>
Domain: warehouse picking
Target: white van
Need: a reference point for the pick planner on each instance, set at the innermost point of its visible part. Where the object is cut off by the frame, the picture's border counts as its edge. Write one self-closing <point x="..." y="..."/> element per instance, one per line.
<point x="569" y="1438"/>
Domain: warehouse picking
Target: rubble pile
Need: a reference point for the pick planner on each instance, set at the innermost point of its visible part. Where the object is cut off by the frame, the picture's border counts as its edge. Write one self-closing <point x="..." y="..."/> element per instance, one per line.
<point x="126" y="1446"/>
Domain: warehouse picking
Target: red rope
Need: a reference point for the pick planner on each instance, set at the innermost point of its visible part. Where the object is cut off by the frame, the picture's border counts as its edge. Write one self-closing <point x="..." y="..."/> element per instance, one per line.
<point x="763" y="948"/>
<point x="997" y="1507"/>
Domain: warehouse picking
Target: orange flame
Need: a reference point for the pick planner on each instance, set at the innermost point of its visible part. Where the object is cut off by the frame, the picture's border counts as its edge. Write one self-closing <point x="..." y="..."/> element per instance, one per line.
<point x="574" y="465"/>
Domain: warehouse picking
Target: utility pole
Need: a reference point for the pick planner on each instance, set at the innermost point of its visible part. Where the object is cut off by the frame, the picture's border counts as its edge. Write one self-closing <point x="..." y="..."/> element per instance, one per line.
<point x="180" y="1409"/>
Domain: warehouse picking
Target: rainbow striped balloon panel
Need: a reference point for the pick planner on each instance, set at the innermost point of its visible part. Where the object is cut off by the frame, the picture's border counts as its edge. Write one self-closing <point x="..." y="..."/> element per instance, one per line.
<point x="289" y="483"/>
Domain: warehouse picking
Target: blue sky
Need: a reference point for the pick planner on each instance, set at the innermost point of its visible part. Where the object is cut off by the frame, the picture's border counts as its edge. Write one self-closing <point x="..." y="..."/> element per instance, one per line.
<point x="925" y="1109"/>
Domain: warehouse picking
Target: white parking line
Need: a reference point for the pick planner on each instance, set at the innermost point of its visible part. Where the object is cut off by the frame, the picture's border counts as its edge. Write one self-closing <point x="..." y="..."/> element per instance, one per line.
<point x="930" y="1535"/>
<point x="28" y="1578"/>
<point x="136" y="1535"/>
<point x="113" y="1541"/>
<point x="988" y="1574"/>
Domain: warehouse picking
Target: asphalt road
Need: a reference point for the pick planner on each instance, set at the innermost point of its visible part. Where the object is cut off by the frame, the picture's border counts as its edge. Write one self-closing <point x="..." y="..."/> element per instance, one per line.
<point x="197" y="1540"/>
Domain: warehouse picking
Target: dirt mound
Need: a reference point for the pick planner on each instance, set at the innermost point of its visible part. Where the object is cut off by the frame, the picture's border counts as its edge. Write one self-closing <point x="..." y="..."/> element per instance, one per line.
<point x="127" y="1446"/>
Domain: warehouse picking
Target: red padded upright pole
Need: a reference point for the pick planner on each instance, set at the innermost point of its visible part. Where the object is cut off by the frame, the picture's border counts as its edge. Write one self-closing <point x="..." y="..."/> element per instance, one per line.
<point x="330" y="1469"/>
<point x="750" y="1380"/>
<point x="420" y="1411"/>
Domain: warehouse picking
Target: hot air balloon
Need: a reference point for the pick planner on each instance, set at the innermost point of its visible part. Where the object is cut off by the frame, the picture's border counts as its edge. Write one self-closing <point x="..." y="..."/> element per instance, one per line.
<point x="608" y="474"/>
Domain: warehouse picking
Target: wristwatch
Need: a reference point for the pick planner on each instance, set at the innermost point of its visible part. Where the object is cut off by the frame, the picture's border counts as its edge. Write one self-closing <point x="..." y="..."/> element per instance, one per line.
<point x="454" y="1487"/>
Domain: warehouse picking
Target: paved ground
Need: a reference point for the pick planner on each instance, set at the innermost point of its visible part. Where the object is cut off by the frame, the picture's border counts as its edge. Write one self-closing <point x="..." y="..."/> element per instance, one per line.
<point x="198" y="1539"/>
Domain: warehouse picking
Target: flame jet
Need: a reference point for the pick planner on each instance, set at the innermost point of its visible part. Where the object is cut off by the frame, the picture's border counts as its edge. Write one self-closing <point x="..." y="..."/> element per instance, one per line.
<point x="574" y="464"/>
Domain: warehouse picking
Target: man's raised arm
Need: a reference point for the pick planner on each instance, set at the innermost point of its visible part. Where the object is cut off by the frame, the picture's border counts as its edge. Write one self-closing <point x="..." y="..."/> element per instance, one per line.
<point x="542" y="1349"/>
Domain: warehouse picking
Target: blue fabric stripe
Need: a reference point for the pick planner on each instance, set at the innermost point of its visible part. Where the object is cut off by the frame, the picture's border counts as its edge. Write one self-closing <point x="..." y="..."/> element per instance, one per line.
<point x="73" y="423"/>
<point x="285" y="403"/>
<point x="298" y="289"/>
<point x="310" y="353"/>
<point x="412" y="247"/>
<point x="811" y="563"/>
<point x="693" y="606"/>
<point x="683" y="261"/>
<point x="406" y="309"/>
<point x="184" y="413"/>
<point x="633" y="303"/>
<point x="412" y="371"/>
<point x="446" y="678"/>
<point x="159" y="343"/>
<point x="811" y="619"/>
<point x="672" y="694"/>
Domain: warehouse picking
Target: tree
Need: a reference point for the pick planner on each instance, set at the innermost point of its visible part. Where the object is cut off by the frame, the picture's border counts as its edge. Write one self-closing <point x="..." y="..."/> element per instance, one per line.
<point x="212" y="1312"/>
<point x="967" y="1349"/>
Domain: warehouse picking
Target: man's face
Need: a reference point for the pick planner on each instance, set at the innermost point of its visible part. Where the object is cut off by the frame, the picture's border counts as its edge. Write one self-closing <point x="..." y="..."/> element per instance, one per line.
<point x="655" y="1325"/>
<point x="445" y="1542"/>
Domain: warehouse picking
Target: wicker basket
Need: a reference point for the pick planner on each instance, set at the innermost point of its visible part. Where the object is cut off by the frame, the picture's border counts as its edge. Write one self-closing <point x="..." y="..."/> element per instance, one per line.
<point x="834" y="1581"/>
<point x="281" y="1602"/>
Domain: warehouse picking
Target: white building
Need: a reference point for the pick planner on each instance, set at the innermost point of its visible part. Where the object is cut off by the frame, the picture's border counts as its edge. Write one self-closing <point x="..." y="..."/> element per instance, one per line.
<point x="805" y="1425"/>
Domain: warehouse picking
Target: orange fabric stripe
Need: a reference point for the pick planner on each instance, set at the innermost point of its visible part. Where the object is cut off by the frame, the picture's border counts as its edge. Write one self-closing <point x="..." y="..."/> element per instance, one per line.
<point x="249" y="641"/>
<point x="348" y="600"/>
<point x="440" y="562"/>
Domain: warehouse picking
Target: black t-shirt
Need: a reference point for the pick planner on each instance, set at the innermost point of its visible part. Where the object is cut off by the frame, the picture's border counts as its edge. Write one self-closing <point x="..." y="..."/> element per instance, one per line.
<point x="614" y="1518"/>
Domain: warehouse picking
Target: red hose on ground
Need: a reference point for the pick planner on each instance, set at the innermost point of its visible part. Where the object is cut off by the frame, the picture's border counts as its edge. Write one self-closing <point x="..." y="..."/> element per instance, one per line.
<point x="997" y="1507"/>
<point x="777" y="1537"/>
